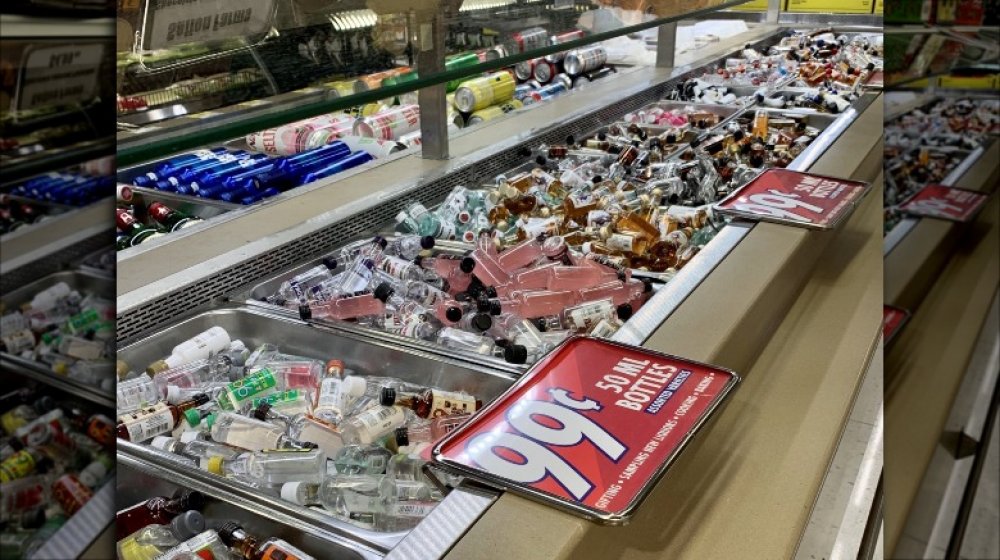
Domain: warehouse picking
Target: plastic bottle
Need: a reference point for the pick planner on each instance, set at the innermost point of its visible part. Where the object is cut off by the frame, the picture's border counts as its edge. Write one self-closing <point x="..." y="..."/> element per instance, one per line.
<point x="272" y="466"/>
<point x="199" y="347"/>
<point x="372" y="425"/>
<point x="258" y="384"/>
<point x="161" y="418"/>
<point x="158" y="510"/>
<point x="204" y="545"/>
<point x="249" y="547"/>
<point x="249" y="433"/>
<point x="151" y="541"/>
<point x="430" y="403"/>
<point x="362" y="459"/>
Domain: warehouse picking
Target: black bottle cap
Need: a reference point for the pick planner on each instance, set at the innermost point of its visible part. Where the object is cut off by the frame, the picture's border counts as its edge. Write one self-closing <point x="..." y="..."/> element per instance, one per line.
<point x="280" y="302"/>
<point x="453" y="314"/>
<point x="228" y="533"/>
<point x="467" y="265"/>
<point x="596" y="179"/>
<point x="671" y="138"/>
<point x="402" y="436"/>
<point x="463" y="297"/>
<point x="260" y="413"/>
<point x="654" y="143"/>
<point x="34" y="519"/>
<point x="330" y="262"/>
<point x="475" y="288"/>
<point x="870" y="66"/>
<point x="756" y="160"/>
<point x="482" y="303"/>
<point x="745" y="149"/>
<point x="621" y="276"/>
<point x="201" y="398"/>
<point x="383" y="292"/>
<point x="702" y="123"/>
<point x="501" y="342"/>
<point x="636" y="143"/>
<point x="16" y="444"/>
<point x="647" y="285"/>
<point x="482" y="322"/>
<point x="515" y="354"/>
<point x="540" y="325"/>
<point x="418" y="260"/>
<point x="305" y="312"/>
<point x="738" y="135"/>
<point x="387" y="397"/>
<point x="427" y="242"/>
<point x="713" y="148"/>
<point x="380" y="241"/>
<point x="760" y="97"/>
<point x="800" y="126"/>
<point x="44" y="404"/>
<point x="602" y="136"/>
<point x="820" y="43"/>
<point x="570" y="140"/>
<point x="191" y="499"/>
<point x="624" y="311"/>
<point x="695" y="143"/>
<point x="540" y="160"/>
<point x="494" y="307"/>
<point x="673" y="198"/>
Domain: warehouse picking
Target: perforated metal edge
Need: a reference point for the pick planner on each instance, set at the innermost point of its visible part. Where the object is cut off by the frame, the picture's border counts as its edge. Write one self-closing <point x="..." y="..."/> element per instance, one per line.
<point x="56" y="261"/>
<point x="481" y="166"/>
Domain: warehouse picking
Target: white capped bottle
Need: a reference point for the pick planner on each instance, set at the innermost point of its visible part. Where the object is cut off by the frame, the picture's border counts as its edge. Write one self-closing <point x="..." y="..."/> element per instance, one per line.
<point x="200" y="347"/>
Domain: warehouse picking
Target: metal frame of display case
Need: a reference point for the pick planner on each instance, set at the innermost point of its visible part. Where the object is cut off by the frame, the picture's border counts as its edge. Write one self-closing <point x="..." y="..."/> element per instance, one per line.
<point x="170" y="291"/>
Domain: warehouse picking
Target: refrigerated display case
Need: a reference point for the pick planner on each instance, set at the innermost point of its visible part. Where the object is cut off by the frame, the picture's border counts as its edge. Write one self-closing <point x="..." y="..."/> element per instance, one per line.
<point x="773" y="324"/>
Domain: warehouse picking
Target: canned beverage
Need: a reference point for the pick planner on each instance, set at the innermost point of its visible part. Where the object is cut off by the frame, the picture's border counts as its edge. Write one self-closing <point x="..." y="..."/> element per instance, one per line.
<point x="374" y="81"/>
<point x="525" y="69"/>
<point x="599" y="73"/>
<point x="560" y="39"/>
<point x="548" y="92"/>
<point x="390" y="124"/>
<point x="400" y="79"/>
<point x="341" y="88"/>
<point x="465" y="60"/>
<point x="544" y="71"/>
<point x="480" y="93"/>
<point x="496" y="52"/>
<point x="372" y="146"/>
<point x="493" y="112"/>
<point x="530" y="39"/>
<point x="327" y="136"/>
<point x="522" y="91"/>
<point x="585" y="60"/>
<point x="410" y="139"/>
<point x="293" y="138"/>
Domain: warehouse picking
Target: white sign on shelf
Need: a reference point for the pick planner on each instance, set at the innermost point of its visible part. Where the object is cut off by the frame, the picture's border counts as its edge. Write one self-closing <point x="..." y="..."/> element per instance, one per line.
<point x="58" y="76"/>
<point x="176" y="22"/>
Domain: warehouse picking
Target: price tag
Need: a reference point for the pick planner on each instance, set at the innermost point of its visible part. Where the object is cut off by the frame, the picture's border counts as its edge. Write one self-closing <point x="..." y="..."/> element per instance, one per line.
<point x="893" y="319"/>
<point x="945" y="203"/>
<point x="591" y="428"/>
<point x="169" y="23"/>
<point x="794" y="198"/>
<point x="58" y="76"/>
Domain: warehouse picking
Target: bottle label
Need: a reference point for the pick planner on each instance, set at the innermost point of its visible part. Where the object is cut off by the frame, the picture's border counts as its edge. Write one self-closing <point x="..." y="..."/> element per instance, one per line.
<point x="83" y="320"/>
<point x="620" y="242"/>
<point x="149" y="423"/>
<point x="19" y="341"/>
<point x="588" y="316"/>
<point x="134" y="393"/>
<point x="17" y="465"/>
<point x="101" y="429"/>
<point x="244" y="389"/>
<point x="71" y="493"/>
<point x="396" y="267"/>
<point x="330" y="396"/>
<point x="447" y="403"/>
<point x="277" y="399"/>
<point x="411" y="509"/>
<point x="603" y="329"/>
<point x="381" y="420"/>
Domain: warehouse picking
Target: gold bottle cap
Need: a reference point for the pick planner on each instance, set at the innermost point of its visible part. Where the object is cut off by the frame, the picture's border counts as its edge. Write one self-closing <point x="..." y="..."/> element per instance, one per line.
<point x="159" y="366"/>
<point x="121" y="368"/>
<point x="215" y="464"/>
<point x="605" y="232"/>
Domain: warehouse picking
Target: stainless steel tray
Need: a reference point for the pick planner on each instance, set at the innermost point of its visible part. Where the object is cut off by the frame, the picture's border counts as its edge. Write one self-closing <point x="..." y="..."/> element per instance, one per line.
<point x="101" y="285"/>
<point x="140" y="480"/>
<point x="364" y="355"/>
<point x="81" y="530"/>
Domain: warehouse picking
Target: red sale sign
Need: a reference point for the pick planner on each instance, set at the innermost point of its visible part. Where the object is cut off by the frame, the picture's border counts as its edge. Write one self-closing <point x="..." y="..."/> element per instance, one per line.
<point x="893" y="319"/>
<point x="944" y="202"/>
<point x="794" y="198"/>
<point x="590" y="428"/>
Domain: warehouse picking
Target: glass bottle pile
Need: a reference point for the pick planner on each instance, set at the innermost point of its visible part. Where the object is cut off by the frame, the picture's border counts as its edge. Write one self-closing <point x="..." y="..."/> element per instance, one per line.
<point x="160" y="220"/>
<point x="70" y="331"/>
<point x="313" y="433"/>
<point x="174" y="528"/>
<point x="518" y="303"/>
<point x="54" y="456"/>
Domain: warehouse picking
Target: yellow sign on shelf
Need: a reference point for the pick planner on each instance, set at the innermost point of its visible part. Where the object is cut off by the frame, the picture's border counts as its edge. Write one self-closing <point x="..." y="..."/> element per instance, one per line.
<point x="968" y="82"/>
<point x="878" y="6"/>
<point x="830" y="6"/>
<point x="752" y="6"/>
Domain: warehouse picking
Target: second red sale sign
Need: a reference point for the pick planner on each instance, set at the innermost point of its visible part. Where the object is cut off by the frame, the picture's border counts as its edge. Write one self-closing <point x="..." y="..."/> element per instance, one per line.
<point x="590" y="428"/>
<point x="794" y="198"/>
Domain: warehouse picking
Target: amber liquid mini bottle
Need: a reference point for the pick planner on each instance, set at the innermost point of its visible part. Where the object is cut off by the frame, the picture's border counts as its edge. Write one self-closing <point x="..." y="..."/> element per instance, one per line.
<point x="156" y="511"/>
<point x="249" y="547"/>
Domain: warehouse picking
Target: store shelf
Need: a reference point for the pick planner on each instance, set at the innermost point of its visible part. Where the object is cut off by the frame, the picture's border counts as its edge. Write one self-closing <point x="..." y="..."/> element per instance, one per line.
<point x="915" y="255"/>
<point x="82" y="530"/>
<point x="59" y="25"/>
<point x="765" y="456"/>
<point x="927" y="363"/>
<point x="773" y="447"/>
